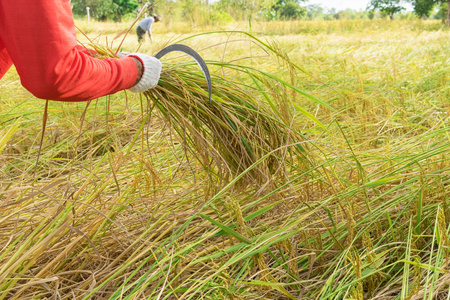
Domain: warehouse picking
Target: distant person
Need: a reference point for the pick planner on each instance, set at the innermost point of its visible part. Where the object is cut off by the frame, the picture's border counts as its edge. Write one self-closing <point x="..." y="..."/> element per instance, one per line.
<point x="52" y="65"/>
<point x="145" y="26"/>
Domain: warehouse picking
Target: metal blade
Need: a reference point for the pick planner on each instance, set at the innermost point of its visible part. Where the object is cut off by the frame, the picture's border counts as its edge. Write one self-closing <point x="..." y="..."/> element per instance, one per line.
<point x="192" y="53"/>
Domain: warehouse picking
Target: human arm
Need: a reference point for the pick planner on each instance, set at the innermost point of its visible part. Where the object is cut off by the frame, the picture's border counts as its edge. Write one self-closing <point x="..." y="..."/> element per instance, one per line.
<point x="139" y="69"/>
<point x="5" y="60"/>
<point x="50" y="63"/>
<point x="150" y="29"/>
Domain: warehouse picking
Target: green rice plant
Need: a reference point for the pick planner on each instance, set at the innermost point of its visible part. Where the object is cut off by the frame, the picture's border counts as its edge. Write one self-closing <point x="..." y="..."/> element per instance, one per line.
<point x="7" y="136"/>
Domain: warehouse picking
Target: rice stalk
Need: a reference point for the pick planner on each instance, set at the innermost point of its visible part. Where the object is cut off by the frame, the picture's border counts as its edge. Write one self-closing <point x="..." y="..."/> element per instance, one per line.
<point x="245" y="121"/>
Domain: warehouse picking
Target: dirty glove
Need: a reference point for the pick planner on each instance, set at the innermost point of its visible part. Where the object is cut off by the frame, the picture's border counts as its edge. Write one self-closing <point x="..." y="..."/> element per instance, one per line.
<point x="151" y="70"/>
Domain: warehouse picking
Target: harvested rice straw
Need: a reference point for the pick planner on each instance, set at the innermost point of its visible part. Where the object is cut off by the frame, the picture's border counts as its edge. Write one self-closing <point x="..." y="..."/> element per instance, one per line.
<point x="245" y="124"/>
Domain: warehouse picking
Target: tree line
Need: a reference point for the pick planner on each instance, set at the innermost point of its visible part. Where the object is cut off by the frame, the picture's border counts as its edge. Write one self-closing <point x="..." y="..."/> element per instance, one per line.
<point x="422" y="8"/>
<point x="223" y="11"/>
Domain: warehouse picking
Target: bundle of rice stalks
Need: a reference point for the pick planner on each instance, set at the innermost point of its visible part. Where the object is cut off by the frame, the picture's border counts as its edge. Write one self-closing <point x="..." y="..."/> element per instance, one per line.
<point x="246" y="126"/>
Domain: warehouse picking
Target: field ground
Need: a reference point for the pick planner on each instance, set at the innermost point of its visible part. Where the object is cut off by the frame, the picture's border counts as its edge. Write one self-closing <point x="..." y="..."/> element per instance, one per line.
<point x="115" y="209"/>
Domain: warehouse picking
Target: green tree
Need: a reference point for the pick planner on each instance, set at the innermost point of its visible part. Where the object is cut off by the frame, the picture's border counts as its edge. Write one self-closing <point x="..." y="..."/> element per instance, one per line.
<point x="290" y="9"/>
<point x="444" y="11"/>
<point x="448" y="12"/>
<point x="315" y="12"/>
<point x="124" y="7"/>
<point x="245" y="9"/>
<point x="104" y="9"/>
<point x="190" y="11"/>
<point x="347" y="14"/>
<point x="389" y="7"/>
<point x="422" y="8"/>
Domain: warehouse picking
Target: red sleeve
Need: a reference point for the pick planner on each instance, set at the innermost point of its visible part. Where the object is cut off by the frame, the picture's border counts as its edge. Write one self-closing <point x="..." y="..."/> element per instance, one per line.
<point x="5" y="60"/>
<point x="39" y="36"/>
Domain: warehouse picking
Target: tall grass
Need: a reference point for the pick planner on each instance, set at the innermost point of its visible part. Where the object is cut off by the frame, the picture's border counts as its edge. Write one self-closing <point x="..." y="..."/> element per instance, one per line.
<point x="120" y="210"/>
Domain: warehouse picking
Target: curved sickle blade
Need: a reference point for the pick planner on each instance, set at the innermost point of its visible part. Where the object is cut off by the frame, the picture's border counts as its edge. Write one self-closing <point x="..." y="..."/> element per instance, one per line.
<point x="192" y="53"/>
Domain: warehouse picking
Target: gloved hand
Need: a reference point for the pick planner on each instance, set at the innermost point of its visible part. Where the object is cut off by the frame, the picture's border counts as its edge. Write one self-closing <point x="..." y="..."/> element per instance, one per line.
<point x="150" y="73"/>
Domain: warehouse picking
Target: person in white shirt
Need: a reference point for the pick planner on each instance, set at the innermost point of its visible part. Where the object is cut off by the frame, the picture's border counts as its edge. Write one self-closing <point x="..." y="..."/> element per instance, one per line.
<point x="145" y="26"/>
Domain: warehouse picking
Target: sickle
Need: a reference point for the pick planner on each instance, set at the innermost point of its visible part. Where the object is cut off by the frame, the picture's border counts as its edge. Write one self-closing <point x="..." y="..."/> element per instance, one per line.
<point x="192" y="53"/>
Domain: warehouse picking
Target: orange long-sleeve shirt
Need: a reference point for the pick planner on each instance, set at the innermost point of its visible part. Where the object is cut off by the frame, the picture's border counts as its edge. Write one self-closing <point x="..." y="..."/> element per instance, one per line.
<point x="38" y="37"/>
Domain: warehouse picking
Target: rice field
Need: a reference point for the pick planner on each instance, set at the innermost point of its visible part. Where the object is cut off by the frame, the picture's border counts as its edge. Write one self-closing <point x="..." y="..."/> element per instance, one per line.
<point x="341" y="190"/>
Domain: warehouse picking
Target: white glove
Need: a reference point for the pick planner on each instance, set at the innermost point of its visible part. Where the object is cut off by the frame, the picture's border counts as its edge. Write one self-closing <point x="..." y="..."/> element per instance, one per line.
<point x="150" y="72"/>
